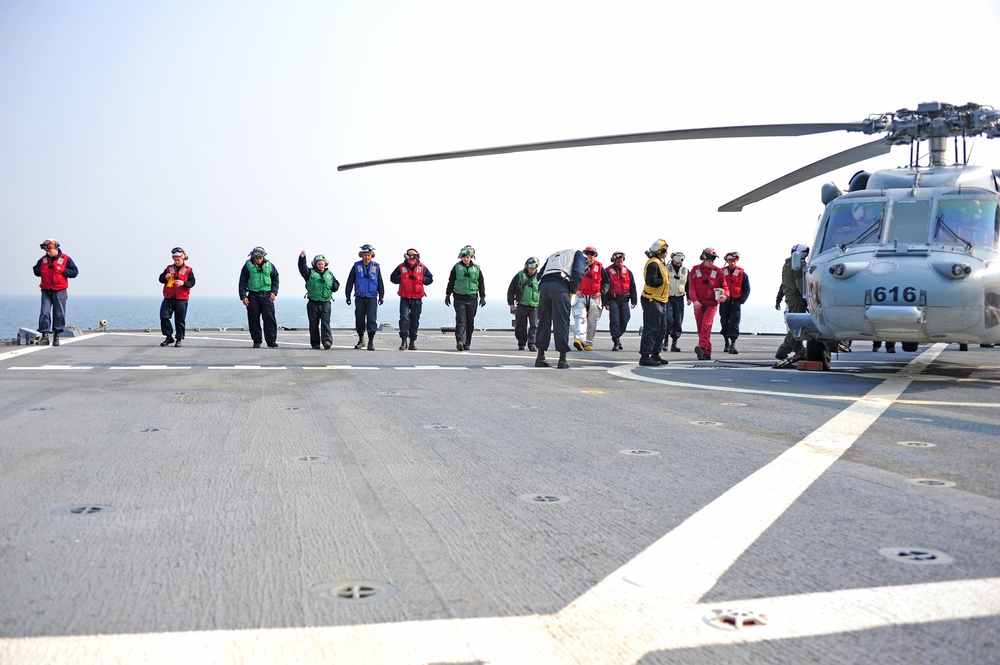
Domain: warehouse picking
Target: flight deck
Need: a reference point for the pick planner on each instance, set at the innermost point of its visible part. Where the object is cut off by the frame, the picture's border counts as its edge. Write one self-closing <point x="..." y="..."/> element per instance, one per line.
<point x="222" y="504"/>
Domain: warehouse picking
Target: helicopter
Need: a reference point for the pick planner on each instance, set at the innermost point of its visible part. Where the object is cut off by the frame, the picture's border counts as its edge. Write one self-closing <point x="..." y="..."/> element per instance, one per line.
<point x="907" y="254"/>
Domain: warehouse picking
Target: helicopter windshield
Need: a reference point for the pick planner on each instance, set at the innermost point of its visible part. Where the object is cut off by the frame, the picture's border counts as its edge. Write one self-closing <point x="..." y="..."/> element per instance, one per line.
<point x="967" y="222"/>
<point x="853" y="223"/>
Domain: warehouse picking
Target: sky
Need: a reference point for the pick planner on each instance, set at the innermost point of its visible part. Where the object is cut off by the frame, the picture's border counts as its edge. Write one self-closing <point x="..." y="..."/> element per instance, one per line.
<point x="129" y="128"/>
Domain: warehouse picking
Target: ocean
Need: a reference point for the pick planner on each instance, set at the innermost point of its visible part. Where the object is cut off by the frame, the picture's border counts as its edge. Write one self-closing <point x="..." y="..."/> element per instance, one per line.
<point x="214" y="312"/>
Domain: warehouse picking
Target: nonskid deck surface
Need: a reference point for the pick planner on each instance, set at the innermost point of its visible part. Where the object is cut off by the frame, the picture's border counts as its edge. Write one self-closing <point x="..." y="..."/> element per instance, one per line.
<point x="218" y="503"/>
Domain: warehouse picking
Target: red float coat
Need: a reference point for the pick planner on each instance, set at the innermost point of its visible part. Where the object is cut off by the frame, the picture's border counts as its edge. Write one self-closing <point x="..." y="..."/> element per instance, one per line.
<point x="620" y="284"/>
<point x="411" y="282"/>
<point x="590" y="285"/>
<point x="702" y="282"/>
<point x="52" y="270"/>
<point x="735" y="281"/>
<point x="178" y="292"/>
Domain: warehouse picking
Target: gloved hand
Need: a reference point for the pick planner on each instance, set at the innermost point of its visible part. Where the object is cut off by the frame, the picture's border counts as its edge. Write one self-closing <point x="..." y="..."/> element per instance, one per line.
<point x="482" y="302"/>
<point x="777" y="306"/>
<point x="447" y="301"/>
<point x="379" y="301"/>
<point x="348" y="300"/>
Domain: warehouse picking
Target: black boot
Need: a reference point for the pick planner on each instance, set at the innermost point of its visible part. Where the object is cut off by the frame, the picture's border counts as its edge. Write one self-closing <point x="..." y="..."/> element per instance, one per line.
<point x="402" y="344"/>
<point x="726" y="348"/>
<point x="660" y="360"/>
<point x="732" y="347"/>
<point x="540" y="361"/>
<point x="562" y="361"/>
<point x="673" y="346"/>
<point x="646" y="361"/>
<point x="55" y="339"/>
<point x="413" y="345"/>
<point x="361" y="342"/>
<point x="371" y="342"/>
<point x="614" y="344"/>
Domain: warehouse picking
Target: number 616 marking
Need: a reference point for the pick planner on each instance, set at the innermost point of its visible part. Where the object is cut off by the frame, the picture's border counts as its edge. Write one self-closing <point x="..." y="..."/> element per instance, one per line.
<point x="895" y="294"/>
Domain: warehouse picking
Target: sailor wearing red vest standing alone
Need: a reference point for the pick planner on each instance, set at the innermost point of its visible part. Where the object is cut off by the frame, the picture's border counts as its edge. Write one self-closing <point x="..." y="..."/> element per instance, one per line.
<point x="412" y="276"/>
<point x="707" y="287"/>
<point x="731" y="310"/>
<point x="177" y="280"/>
<point x="54" y="268"/>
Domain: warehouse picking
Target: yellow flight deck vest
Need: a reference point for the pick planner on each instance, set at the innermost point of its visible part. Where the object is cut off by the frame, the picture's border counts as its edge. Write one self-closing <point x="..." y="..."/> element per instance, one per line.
<point x="661" y="293"/>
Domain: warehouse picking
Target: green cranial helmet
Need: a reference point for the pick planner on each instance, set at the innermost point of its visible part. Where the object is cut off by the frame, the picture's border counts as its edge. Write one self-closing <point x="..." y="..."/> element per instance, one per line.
<point x="318" y="258"/>
<point x="468" y="250"/>
<point x="258" y="253"/>
<point x="531" y="262"/>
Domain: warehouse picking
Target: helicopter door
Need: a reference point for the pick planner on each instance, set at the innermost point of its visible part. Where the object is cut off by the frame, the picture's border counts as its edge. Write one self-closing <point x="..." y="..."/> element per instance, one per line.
<point x="909" y="222"/>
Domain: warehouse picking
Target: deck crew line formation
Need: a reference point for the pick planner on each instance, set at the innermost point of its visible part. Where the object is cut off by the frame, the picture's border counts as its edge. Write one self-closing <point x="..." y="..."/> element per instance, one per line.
<point x="559" y="300"/>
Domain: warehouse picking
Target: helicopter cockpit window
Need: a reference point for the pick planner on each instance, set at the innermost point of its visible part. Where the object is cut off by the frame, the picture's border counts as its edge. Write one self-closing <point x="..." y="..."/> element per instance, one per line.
<point x="967" y="222"/>
<point x="854" y="223"/>
<point x="908" y="224"/>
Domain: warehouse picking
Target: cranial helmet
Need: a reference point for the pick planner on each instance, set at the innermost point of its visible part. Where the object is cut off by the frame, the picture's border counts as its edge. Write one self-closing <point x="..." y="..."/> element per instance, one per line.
<point x="49" y="242"/>
<point x="468" y="250"/>
<point x="733" y="256"/>
<point x="658" y="247"/>
<point x="178" y="251"/>
<point x="367" y="249"/>
<point x="318" y="258"/>
<point x="411" y="254"/>
<point x="532" y="262"/>
<point x="709" y="253"/>
<point x="678" y="256"/>
<point x="618" y="255"/>
<point x="258" y="253"/>
<point x="800" y="249"/>
<point x="591" y="251"/>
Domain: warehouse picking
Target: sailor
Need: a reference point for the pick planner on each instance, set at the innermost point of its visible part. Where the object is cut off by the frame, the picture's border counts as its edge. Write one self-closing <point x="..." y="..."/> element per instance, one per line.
<point x="587" y="306"/>
<point x="707" y="287"/>
<point x="412" y="276"/>
<point x="466" y="283"/>
<point x="366" y="281"/>
<point x="523" y="291"/>
<point x="560" y="278"/>
<point x="258" y="289"/>
<point x="320" y="287"/>
<point x="730" y="311"/>
<point x="678" y="288"/>
<point x="54" y="269"/>
<point x="177" y="279"/>
<point x="791" y="289"/>
<point x="655" y="313"/>
<point x="620" y="299"/>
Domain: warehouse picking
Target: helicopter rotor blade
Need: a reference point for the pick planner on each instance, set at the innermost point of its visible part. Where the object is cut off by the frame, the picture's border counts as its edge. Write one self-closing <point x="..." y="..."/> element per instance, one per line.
<point x="746" y="131"/>
<point x="831" y="163"/>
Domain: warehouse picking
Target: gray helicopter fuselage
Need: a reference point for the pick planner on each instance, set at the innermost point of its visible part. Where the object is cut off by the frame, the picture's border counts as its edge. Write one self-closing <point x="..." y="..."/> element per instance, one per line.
<point x="913" y="257"/>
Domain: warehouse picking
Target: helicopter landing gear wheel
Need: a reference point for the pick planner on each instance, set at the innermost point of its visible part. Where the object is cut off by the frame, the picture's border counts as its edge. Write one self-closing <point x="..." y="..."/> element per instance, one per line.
<point x="818" y="352"/>
<point x="910" y="347"/>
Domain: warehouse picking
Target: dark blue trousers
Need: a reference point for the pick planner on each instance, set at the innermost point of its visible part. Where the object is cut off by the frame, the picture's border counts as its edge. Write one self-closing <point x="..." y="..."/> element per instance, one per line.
<point x="178" y="309"/>
<point x="465" y="318"/>
<point x="365" y="313"/>
<point x="319" y="321"/>
<point x="654" y="326"/>
<point x="261" y="307"/>
<point x="409" y="317"/>
<point x="677" y="315"/>
<point x="553" y="315"/>
<point x="620" y="313"/>
<point x="52" y="315"/>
